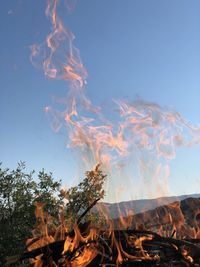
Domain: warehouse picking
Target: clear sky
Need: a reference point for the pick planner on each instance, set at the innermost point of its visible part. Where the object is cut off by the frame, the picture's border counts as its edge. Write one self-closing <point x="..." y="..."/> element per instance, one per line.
<point x="130" y="48"/>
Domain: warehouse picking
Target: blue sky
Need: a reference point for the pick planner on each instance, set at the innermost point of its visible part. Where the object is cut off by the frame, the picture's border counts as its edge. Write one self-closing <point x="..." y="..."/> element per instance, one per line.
<point x="130" y="48"/>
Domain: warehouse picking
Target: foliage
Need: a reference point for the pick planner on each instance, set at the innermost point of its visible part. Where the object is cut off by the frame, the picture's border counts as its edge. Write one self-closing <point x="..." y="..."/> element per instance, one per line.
<point x="19" y="191"/>
<point x="80" y="197"/>
<point x="48" y="192"/>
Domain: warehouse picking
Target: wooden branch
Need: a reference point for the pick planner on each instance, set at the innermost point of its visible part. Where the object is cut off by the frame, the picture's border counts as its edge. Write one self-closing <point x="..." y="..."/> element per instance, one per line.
<point x="87" y="210"/>
<point x="165" y="244"/>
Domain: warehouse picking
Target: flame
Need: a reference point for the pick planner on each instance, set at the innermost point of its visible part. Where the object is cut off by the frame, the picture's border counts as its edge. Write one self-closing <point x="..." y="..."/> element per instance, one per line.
<point x="86" y="257"/>
<point x="40" y="234"/>
<point x="142" y="131"/>
<point x="81" y="247"/>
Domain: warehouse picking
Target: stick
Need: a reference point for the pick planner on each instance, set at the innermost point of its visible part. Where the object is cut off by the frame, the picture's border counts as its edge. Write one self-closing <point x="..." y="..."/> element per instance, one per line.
<point x="87" y="210"/>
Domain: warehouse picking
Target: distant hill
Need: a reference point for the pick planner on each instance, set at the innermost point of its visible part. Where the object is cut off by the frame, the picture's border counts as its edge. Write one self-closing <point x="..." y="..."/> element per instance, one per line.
<point x="138" y="206"/>
<point x="182" y="216"/>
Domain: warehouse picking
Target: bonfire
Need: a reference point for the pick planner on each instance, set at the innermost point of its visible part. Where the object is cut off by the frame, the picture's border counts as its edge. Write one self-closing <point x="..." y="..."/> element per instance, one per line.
<point x="89" y="245"/>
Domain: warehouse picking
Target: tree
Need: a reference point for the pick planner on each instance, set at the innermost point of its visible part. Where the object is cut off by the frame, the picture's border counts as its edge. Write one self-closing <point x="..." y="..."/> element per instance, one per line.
<point x="48" y="192"/>
<point x="16" y="213"/>
<point x="80" y="197"/>
<point x="18" y="194"/>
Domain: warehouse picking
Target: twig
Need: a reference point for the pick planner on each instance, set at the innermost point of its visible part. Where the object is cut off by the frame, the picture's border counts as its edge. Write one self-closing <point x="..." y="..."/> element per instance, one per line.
<point x="87" y="210"/>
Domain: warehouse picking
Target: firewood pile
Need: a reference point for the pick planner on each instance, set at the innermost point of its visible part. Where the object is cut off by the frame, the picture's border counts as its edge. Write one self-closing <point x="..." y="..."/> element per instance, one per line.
<point x="87" y="245"/>
<point x="118" y="248"/>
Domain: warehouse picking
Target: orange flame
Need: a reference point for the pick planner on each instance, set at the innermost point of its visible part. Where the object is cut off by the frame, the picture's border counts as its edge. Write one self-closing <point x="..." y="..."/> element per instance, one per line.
<point x="143" y="130"/>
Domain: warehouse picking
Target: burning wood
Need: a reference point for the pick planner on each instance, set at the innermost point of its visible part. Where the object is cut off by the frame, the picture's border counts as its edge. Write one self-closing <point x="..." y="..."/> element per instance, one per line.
<point x="87" y="245"/>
